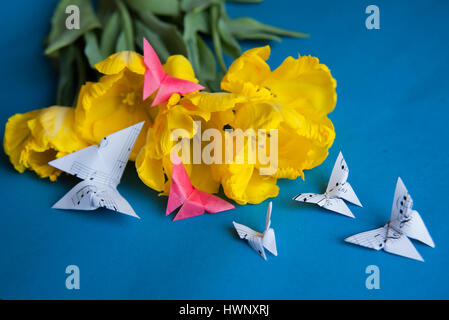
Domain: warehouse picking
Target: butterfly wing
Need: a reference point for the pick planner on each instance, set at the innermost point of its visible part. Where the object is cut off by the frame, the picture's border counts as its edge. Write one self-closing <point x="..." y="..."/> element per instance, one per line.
<point x="413" y="227"/>
<point x="154" y="73"/>
<point x="80" y="163"/>
<point x="407" y="220"/>
<point x="373" y="239"/>
<point x="339" y="173"/>
<point x="181" y="187"/>
<point x="115" y="149"/>
<point x="104" y="163"/>
<point x="171" y="85"/>
<point x="398" y="243"/>
<point x="88" y="195"/>
<point x="310" y="198"/>
<point x="336" y="205"/>
<point x="254" y="238"/>
<point x="345" y="191"/>
<point x="192" y="207"/>
<point x="213" y="204"/>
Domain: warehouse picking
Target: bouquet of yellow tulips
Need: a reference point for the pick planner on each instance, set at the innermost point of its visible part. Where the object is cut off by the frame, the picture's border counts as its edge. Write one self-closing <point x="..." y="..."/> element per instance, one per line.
<point x="290" y="102"/>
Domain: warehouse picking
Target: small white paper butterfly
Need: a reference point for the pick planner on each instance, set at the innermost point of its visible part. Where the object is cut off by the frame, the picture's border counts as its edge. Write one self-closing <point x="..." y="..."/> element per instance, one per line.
<point x="404" y="223"/>
<point x="337" y="189"/>
<point x="258" y="241"/>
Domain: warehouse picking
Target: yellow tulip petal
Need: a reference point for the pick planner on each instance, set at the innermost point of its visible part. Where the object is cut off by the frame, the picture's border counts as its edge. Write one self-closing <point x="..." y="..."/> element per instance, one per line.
<point x="260" y="188"/>
<point x="256" y="116"/>
<point x="16" y="137"/>
<point x="37" y="137"/>
<point x="248" y="72"/>
<point x="110" y="105"/>
<point x="179" y="66"/>
<point x="121" y="60"/>
<point x="217" y="101"/>
<point x="304" y="84"/>
<point x="150" y="170"/>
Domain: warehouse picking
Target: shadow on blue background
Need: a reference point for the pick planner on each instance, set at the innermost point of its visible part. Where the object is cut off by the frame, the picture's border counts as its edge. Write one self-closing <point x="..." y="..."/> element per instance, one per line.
<point x="390" y="120"/>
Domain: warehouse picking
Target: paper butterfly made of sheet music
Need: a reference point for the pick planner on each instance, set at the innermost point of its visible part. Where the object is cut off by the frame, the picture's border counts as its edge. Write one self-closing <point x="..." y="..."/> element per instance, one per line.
<point x="404" y="223"/>
<point x="194" y="202"/>
<point x="258" y="241"/>
<point x="337" y="189"/>
<point x="157" y="79"/>
<point x="101" y="168"/>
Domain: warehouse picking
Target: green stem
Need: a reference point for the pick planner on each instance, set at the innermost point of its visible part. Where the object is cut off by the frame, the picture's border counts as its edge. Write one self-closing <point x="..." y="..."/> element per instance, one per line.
<point x="127" y="25"/>
<point x="214" y="13"/>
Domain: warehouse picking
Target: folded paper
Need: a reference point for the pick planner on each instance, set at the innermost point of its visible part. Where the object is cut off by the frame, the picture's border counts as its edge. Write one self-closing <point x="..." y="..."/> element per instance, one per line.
<point x="101" y="168"/>
<point x="194" y="202"/>
<point x="258" y="241"/>
<point x="404" y="223"/>
<point x="337" y="189"/>
<point x="157" y="79"/>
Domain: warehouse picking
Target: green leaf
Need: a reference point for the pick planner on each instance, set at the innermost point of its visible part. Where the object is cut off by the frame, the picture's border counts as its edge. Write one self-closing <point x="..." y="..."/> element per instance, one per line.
<point x="168" y="34"/>
<point x="110" y="33"/>
<point x="158" y="7"/>
<point x="121" y="43"/>
<point x="230" y="45"/>
<point x="197" y="5"/>
<point x="207" y="70"/>
<point x="66" y="85"/>
<point x="257" y="36"/>
<point x="195" y="22"/>
<point x="127" y="25"/>
<point x="154" y="38"/>
<point x="91" y="49"/>
<point x="60" y="36"/>
<point x="81" y="68"/>
<point x="247" y="26"/>
<point x="214" y="15"/>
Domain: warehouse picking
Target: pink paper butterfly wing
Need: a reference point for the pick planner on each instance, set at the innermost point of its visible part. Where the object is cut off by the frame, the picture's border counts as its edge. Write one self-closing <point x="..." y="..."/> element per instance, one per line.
<point x="171" y="85"/>
<point x="154" y="73"/>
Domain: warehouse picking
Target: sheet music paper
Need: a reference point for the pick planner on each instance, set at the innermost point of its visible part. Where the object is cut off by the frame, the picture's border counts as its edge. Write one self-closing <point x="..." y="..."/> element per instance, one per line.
<point x="259" y="241"/>
<point x="101" y="168"/>
<point x="338" y="189"/>
<point x="394" y="236"/>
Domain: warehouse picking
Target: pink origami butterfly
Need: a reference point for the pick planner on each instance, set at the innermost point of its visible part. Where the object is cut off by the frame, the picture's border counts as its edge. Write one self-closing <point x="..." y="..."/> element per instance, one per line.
<point x="194" y="202"/>
<point x="157" y="78"/>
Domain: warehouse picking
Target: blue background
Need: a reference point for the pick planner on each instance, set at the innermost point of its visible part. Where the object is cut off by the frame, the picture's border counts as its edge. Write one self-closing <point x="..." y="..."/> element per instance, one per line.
<point x="391" y="120"/>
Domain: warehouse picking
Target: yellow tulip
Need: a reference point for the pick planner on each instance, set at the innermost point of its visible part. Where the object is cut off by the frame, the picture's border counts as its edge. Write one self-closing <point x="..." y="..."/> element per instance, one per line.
<point x="115" y="101"/>
<point x="34" y="138"/>
<point x="295" y="98"/>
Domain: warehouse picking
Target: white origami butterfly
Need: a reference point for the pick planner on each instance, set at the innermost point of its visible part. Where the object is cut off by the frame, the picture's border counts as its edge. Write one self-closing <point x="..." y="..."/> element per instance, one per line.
<point x="258" y="240"/>
<point x="101" y="168"/>
<point x="337" y="189"/>
<point x="404" y="223"/>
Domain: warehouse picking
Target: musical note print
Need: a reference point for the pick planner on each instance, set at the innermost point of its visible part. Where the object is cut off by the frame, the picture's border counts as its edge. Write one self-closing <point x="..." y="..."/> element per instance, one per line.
<point x="394" y="236"/>
<point x="338" y="189"/>
<point x="101" y="168"/>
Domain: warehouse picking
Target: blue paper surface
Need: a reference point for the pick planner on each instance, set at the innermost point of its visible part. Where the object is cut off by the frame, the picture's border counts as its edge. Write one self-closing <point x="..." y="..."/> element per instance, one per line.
<point x="390" y="120"/>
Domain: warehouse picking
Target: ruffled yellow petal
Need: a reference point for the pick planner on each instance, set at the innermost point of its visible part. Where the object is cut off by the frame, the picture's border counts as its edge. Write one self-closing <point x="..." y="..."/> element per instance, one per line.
<point x="37" y="137"/>
<point x="121" y="60"/>
<point x="247" y="73"/>
<point x="256" y="116"/>
<point x="202" y="178"/>
<point x="16" y="137"/>
<point x="110" y="105"/>
<point x="260" y="188"/>
<point x="150" y="170"/>
<point x="213" y="102"/>
<point x="179" y="67"/>
<point x="304" y="84"/>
